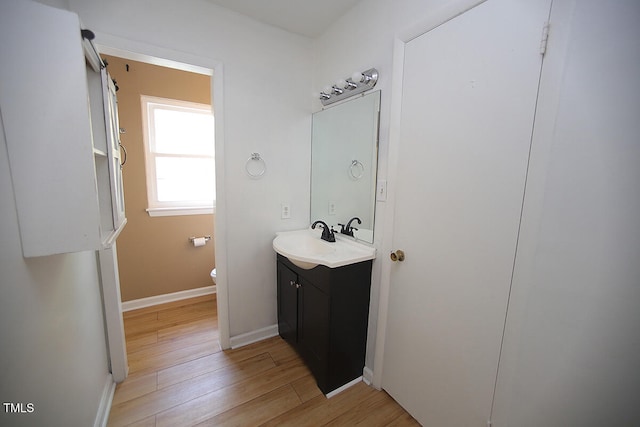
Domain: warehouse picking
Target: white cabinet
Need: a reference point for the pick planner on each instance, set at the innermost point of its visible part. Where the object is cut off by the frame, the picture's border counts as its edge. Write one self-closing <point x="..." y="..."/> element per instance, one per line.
<point x="61" y="156"/>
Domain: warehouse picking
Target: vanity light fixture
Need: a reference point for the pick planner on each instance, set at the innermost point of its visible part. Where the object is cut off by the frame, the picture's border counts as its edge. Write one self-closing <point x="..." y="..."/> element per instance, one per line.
<point x="344" y="88"/>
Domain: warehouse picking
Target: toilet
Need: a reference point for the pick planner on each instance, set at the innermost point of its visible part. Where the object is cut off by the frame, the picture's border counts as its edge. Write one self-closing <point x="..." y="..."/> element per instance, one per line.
<point x="213" y="276"/>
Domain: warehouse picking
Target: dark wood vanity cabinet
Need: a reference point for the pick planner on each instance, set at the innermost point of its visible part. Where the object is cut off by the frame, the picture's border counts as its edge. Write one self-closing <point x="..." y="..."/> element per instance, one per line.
<point x="323" y="312"/>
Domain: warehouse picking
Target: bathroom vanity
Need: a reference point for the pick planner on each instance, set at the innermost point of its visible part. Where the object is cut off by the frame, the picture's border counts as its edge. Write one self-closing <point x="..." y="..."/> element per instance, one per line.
<point x="323" y="313"/>
<point x="323" y="303"/>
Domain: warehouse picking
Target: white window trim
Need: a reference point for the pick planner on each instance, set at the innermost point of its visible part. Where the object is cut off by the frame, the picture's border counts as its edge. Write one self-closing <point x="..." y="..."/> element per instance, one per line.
<point x="169" y="209"/>
<point x="181" y="211"/>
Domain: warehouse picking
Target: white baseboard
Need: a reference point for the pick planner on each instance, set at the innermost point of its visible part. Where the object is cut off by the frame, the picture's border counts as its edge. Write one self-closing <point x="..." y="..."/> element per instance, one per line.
<point x="105" y="402"/>
<point x="344" y="387"/>
<point x="162" y="299"/>
<point x="255" y="336"/>
<point x="367" y="376"/>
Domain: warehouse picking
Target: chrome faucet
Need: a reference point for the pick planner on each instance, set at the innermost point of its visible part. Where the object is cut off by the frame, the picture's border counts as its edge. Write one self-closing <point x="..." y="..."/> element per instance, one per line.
<point x="348" y="229"/>
<point x="327" y="233"/>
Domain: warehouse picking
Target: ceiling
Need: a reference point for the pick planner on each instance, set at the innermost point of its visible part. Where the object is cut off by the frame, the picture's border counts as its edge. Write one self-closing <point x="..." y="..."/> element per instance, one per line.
<point x="305" y="17"/>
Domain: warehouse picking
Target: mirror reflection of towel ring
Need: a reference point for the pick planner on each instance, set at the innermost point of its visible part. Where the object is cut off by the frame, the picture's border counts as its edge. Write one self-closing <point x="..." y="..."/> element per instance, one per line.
<point x="356" y="169"/>
<point x="255" y="166"/>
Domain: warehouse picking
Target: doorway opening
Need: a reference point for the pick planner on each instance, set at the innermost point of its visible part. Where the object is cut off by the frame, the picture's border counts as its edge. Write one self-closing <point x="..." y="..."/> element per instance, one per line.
<point x="167" y="161"/>
<point x="204" y="69"/>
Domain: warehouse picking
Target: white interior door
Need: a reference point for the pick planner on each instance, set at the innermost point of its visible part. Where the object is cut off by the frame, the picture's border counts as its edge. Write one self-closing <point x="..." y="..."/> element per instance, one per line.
<point x="468" y="103"/>
<point x="572" y="342"/>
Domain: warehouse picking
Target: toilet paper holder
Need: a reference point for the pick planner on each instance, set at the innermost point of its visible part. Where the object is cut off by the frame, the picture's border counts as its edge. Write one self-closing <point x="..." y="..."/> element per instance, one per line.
<point x="206" y="238"/>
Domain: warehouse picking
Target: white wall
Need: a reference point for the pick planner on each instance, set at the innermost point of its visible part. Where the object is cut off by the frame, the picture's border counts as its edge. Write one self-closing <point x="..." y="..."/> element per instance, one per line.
<point x="267" y="106"/>
<point x="52" y="345"/>
<point x="60" y="4"/>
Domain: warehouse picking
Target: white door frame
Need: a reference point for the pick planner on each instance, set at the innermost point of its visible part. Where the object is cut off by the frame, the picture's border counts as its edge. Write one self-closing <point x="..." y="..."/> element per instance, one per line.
<point x="437" y="18"/>
<point x="116" y="46"/>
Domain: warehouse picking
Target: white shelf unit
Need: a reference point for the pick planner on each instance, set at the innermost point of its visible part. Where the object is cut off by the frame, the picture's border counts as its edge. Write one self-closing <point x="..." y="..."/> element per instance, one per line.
<point x="114" y="150"/>
<point x="53" y="113"/>
<point x="103" y="109"/>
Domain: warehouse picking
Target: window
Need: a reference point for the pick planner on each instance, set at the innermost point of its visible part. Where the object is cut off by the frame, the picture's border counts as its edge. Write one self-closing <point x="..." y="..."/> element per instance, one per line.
<point x="179" y="152"/>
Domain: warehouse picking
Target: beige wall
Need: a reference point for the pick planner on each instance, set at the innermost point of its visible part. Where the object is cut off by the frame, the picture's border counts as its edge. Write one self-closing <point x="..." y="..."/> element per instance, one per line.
<point x="155" y="256"/>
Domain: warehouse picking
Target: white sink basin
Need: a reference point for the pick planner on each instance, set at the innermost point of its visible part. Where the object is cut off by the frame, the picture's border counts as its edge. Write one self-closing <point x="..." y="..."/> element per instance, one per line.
<point x="305" y="249"/>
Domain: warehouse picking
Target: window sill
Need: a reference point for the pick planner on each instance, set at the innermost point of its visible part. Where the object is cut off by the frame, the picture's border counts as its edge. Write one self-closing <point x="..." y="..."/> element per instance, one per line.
<point x="180" y="211"/>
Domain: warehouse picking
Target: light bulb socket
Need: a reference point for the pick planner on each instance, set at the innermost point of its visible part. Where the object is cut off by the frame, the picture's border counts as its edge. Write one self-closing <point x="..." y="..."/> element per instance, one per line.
<point x="344" y="88"/>
<point x="357" y="77"/>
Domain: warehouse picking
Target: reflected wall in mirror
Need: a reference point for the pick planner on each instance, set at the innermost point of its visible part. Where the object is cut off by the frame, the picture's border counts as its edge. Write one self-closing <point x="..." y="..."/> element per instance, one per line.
<point x="344" y="162"/>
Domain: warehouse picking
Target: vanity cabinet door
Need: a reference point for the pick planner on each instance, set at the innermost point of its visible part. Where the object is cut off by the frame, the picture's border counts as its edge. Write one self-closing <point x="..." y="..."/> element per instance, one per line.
<point x="323" y="314"/>
<point x="313" y="329"/>
<point x="287" y="304"/>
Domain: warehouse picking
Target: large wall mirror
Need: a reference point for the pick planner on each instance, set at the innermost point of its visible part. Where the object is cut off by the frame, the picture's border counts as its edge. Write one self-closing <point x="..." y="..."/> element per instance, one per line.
<point x="344" y="161"/>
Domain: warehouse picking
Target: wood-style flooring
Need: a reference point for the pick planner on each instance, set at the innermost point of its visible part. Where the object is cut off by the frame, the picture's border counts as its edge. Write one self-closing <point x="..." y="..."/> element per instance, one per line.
<point x="179" y="376"/>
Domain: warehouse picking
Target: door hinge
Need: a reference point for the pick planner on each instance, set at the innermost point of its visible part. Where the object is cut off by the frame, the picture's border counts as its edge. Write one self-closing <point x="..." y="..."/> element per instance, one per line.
<point x="545" y="38"/>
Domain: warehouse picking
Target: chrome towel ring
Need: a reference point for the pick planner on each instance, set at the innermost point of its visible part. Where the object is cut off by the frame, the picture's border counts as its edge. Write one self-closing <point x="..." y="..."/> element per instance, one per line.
<point x="255" y="166"/>
<point x="356" y="169"/>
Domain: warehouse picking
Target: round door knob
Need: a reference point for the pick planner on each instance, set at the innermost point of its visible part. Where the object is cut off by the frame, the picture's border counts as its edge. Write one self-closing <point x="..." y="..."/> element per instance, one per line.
<point x="397" y="256"/>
